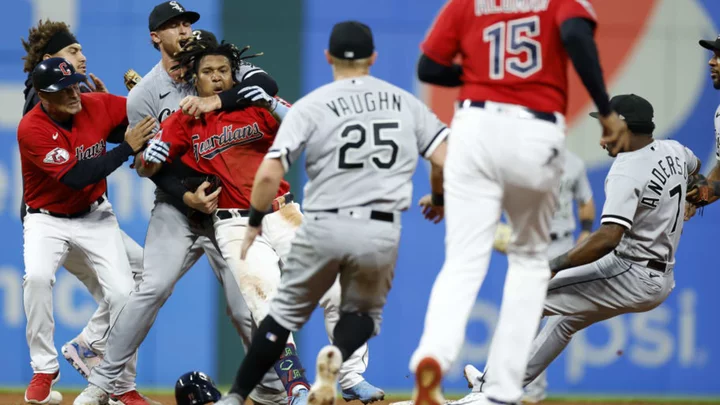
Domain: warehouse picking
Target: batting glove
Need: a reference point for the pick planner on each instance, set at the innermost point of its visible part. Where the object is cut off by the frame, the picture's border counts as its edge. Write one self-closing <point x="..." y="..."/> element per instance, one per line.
<point x="256" y="95"/>
<point x="156" y="152"/>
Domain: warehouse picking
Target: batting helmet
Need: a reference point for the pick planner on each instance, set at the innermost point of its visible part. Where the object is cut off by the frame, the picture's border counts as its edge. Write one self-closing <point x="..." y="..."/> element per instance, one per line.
<point x="195" y="388"/>
<point x="55" y="74"/>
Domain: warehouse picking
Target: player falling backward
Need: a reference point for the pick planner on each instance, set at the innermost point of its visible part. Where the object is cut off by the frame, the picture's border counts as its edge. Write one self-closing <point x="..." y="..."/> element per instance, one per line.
<point x="506" y="154"/>
<point x="627" y="265"/>
<point x="361" y="137"/>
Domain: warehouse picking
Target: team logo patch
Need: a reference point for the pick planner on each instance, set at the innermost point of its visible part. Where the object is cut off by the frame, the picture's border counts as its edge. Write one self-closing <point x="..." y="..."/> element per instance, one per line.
<point x="177" y="6"/>
<point x="57" y="156"/>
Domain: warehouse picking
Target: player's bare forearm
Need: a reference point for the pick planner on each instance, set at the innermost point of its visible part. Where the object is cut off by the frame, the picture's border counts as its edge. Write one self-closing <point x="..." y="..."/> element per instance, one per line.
<point x="714" y="176"/>
<point x="267" y="181"/>
<point x="594" y="247"/>
<point x="436" y="179"/>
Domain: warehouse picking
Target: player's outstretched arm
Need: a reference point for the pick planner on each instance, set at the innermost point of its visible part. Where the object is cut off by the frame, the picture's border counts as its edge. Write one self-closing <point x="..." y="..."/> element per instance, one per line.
<point x="431" y="72"/>
<point x="597" y="245"/>
<point x="433" y="204"/>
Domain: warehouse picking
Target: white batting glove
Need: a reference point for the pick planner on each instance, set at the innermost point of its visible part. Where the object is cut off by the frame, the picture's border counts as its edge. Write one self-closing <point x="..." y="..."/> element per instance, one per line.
<point x="258" y="96"/>
<point x="156" y="152"/>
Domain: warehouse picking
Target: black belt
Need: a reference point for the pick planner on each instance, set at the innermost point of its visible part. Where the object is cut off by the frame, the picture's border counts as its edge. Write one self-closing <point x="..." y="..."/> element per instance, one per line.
<point x="556" y="236"/>
<point x="650" y="264"/>
<point x="545" y="116"/>
<point x="229" y="213"/>
<point x="68" y="216"/>
<point x="376" y="215"/>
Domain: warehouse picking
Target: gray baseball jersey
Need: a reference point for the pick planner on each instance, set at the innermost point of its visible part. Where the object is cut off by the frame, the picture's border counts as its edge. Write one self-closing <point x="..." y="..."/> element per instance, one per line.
<point x="717" y="133"/>
<point x="645" y="193"/>
<point x="574" y="187"/>
<point x="362" y="137"/>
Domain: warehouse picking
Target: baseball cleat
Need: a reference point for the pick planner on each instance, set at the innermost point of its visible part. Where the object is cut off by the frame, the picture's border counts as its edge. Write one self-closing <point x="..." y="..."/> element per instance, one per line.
<point x="131" y="398"/>
<point x="92" y="395"/>
<point x="473" y="376"/>
<point x="230" y="399"/>
<point x="81" y="357"/>
<point x="473" y="398"/>
<point x="40" y="388"/>
<point x="365" y="392"/>
<point x="428" y="377"/>
<point x="324" y="390"/>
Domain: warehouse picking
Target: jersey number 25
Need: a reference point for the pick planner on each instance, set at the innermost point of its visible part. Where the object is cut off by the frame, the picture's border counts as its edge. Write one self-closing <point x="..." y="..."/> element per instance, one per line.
<point x="508" y="41"/>
<point x="378" y="144"/>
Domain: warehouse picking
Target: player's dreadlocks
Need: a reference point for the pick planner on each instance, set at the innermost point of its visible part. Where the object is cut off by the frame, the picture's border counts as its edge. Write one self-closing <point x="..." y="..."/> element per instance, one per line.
<point x="38" y="39"/>
<point x="189" y="56"/>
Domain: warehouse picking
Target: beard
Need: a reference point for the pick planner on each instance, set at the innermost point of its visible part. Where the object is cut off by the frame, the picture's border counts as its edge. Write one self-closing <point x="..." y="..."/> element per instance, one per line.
<point x="716" y="84"/>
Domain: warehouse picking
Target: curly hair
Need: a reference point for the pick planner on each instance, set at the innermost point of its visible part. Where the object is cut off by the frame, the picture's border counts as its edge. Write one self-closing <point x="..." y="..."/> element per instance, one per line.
<point x="37" y="41"/>
<point x="196" y="49"/>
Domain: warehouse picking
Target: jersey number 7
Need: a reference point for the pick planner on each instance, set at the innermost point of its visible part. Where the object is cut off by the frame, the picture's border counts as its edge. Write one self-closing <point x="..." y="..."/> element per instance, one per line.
<point x="510" y="39"/>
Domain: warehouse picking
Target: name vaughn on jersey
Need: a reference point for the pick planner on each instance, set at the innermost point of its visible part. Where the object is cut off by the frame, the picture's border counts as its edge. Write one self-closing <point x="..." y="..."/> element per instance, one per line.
<point x="370" y="101"/>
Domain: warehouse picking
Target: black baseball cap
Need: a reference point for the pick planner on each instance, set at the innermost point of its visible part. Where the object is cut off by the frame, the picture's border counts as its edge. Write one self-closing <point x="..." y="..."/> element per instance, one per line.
<point x="205" y="35"/>
<point x="167" y="11"/>
<point x="636" y="111"/>
<point x="351" y="40"/>
<point x="711" y="45"/>
<point x="55" y="74"/>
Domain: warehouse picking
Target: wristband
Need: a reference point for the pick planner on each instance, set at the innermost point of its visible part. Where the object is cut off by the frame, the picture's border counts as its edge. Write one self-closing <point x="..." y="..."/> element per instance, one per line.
<point x="255" y="217"/>
<point x="437" y="199"/>
<point x="586" y="225"/>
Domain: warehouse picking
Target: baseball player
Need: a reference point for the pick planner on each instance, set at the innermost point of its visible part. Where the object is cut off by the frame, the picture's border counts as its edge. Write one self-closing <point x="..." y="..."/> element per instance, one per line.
<point x="64" y="165"/>
<point x="707" y="191"/>
<point x="361" y="137"/>
<point x="627" y="265"/>
<point x="196" y="388"/>
<point x="54" y="39"/>
<point x="507" y="154"/>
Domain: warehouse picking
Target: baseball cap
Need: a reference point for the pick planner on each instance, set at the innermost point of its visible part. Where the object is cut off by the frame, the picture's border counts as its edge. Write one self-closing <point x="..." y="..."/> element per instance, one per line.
<point x="711" y="45"/>
<point x="351" y="40"/>
<point x="205" y="35"/>
<point x="165" y="12"/>
<point x="55" y="74"/>
<point x="636" y="111"/>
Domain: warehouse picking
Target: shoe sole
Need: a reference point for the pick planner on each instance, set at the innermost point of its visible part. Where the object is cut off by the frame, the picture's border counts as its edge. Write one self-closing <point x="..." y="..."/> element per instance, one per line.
<point x="428" y="377"/>
<point x="470" y="378"/>
<point x="73" y="357"/>
<point x="46" y="400"/>
<point x="324" y="391"/>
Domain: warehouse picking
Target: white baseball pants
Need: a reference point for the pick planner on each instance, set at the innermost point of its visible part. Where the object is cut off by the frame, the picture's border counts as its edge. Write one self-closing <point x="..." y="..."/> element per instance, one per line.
<point x="500" y="157"/>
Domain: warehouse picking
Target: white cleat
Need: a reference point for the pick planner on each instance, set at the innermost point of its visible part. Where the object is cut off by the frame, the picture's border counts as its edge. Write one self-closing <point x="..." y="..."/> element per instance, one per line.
<point x="230" y="399"/>
<point x="473" y="377"/>
<point x="80" y="356"/>
<point x="92" y="395"/>
<point x="473" y="398"/>
<point x="324" y="390"/>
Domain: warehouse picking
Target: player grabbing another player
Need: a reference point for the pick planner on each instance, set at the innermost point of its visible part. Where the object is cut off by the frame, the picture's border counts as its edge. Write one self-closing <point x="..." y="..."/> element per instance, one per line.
<point x="359" y="182"/>
<point x="627" y="265"/>
<point x="64" y="165"/>
<point x="507" y="154"/>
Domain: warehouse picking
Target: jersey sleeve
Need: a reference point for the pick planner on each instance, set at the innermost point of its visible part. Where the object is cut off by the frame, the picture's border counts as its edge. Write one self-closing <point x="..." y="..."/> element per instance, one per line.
<point x="47" y="149"/>
<point x="430" y="131"/>
<point x="717" y="134"/>
<point x="622" y="196"/>
<point x="442" y="42"/>
<point x="139" y="105"/>
<point x="247" y="70"/>
<point x="583" y="191"/>
<point x="173" y="132"/>
<point x="291" y="137"/>
<point x="568" y="9"/>
<point x="690" y="160"/>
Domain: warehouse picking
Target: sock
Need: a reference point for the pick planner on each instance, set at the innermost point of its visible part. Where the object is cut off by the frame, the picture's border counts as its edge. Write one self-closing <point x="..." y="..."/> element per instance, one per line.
<point x="266" y="348"/>
<point x="290" y="370"/>
<point x="352" y="331"/>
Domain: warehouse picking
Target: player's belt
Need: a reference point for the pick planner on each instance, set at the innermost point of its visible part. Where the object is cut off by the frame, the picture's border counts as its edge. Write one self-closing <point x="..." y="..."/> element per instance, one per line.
<point x="278" y="203"/>
<point x="650" y="264"/>
<point x="376" y="215"/>
<point x="545" y="116"/>
<point x="69" y="216"/>
<point x="556" y="236"/>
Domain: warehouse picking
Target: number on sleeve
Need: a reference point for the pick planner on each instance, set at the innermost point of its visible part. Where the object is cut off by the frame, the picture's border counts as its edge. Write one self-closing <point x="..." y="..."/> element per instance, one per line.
<point x="378" y="145"/>
<point x="676" y="191"/>
<point x="519" y="44"/>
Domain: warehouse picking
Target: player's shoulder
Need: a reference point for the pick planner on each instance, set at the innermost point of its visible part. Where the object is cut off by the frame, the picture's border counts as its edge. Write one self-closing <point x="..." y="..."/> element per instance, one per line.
<point x="99" y="98"/>
<point x="34" y="123"/>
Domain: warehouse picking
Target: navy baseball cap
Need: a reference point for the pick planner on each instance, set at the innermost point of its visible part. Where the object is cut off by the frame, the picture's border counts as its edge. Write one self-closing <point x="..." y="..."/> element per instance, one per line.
<point x="711" y="45"/>
<point x="637" y="112"/>
<point x="167" y="11"/>
<point x="351" y="40"/>
<point x="55" y="74"/>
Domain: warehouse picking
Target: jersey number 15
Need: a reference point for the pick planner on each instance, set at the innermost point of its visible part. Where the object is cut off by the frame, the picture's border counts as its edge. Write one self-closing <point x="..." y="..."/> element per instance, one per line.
<point x="508" y="41"/>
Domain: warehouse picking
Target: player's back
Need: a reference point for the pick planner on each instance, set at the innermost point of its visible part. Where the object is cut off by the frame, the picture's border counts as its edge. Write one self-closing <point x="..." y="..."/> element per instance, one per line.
<point x="365" y="144"/>
<point x="512" y="52"/>
<point x="660" y="171"/>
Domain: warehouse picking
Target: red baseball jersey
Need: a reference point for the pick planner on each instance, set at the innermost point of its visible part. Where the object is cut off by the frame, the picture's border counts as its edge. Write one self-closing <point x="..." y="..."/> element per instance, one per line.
<point x="49" y="150"/>
<point x="228" y="144"/>
<point x="511" y="51"/>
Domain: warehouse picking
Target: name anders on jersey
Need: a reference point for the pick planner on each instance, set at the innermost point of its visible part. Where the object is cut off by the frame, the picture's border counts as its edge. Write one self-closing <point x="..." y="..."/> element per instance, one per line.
<point x="60" y="156"/>
<point x="217" y="144"/>
<point x="661" y="174"/>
